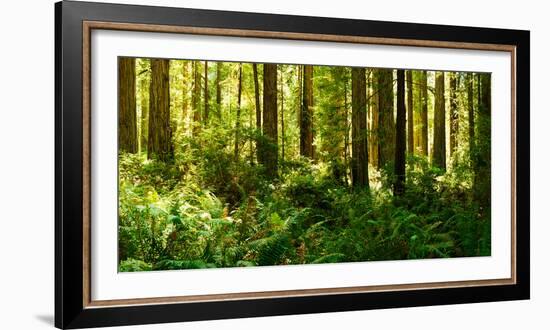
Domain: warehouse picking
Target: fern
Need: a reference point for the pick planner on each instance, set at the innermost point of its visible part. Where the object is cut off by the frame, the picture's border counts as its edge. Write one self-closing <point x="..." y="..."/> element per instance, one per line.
<point x="330" y="258"/>
<point x="133" y="265"/>
<point x="182" y="264"/>
<point x="272" y="249"/>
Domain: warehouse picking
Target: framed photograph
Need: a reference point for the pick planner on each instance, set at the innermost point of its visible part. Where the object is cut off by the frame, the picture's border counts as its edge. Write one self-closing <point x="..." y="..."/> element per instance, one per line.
<point x="214" y="164"/>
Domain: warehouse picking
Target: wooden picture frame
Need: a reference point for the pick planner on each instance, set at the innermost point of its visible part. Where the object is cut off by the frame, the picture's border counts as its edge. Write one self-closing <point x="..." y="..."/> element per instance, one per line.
<point x="74" y="307"/>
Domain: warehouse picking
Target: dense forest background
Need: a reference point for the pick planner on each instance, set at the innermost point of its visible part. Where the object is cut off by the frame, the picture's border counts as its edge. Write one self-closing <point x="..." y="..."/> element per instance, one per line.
<point x="242" y="164"/>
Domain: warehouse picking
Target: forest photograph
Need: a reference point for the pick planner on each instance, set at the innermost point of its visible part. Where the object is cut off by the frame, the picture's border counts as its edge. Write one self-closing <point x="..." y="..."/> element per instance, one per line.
<point x="228" y="164"/>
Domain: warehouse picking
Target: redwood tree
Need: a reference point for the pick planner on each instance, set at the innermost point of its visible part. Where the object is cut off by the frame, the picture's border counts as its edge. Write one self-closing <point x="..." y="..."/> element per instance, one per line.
<point x="374" y="119"/>
<point x="282" y="92"/>
<point x="306" y="114"/>
<point x="218" y="89"/>
<point x="400" y="138"/>
<point x="471" y="119"/>
<point x="160" y="133"/>
<point x="386" y="122"/>
<point x="453" y="112"/>
<point x="482" y="182"/>
<point x="196" y="97"/>
<point x="439" y="145"/>
<point x="144" y="91"/>
<point x="258" y="110"/>
<point x="270" y="149"/>
<point x="238" y="119"/>
<point x="424" y="113"/>
<point x="185" y="94"/>
<point x="206" y="107"/>
<point x="359" y="159"/>
<point x="410" y="113"/>
<point x="127" y="121"/>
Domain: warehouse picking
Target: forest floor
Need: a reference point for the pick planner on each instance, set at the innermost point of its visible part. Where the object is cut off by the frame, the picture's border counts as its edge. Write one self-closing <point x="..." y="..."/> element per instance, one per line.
<point x="213" y="212"/>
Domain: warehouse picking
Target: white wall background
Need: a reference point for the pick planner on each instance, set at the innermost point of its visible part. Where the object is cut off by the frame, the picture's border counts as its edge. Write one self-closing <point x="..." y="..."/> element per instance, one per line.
<point x="27" y="163"/>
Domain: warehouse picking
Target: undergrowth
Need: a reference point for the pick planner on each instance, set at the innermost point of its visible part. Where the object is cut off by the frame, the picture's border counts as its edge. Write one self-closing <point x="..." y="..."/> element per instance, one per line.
<point x="208" y="211"/>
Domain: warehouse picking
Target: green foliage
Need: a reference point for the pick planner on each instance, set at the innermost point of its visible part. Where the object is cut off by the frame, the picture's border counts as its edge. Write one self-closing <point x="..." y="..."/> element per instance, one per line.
<point x="133" y="265"/>
<point x="212" y="207"/>
<point x="329" y="258"/>
<point x="181" y="264"/>
<point x="305" y="217"/>
<point x="271" y="250"/>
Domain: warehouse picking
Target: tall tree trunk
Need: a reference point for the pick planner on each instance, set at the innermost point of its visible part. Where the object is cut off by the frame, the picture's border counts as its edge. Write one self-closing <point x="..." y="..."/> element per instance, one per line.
<point x="306" y="115"/>
<point x="453" y="128"/>
<point x="485" y="107"/>
<point x="386" y="125"/>
<point x="238" y="119"/>
<point x="185" y="96"/>
<point x="219" y="89"/>
<point x="206" y="107"/>
<point x="439" y="145"/>
<point x="359" y="160"/>
<point x="127" y="121"/>
<point x="270" y="153"/>
<point x="333" y="121"/>
<point x="347" y="129"/>
<point x="196" y="98"/>
<point x="410" y="113"/>
<point x="281" y="85"/>
<point x="424" y="113"/>
<point x="478" y="90"/>
<point x="144" y="97"/>
<point x="373" y="136"/>
<point x="258" y="112"/>
<point x="417" y="104"/>
<point x="160" y="133"/>
<point x="251" y="125"/>
<point x="400" y="138"/>
<point x="300" y="84"/>
<point x="471" y="118"/>
<point x="482" y="182"/>
<point x="300" y="101"/>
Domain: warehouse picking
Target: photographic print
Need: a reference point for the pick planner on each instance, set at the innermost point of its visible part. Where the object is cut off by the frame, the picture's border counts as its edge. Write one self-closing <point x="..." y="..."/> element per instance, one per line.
<point x="227" y="164"/>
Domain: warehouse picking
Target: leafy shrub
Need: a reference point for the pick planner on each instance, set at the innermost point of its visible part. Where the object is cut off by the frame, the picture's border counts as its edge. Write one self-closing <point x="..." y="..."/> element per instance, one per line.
<point x="133" y="265"/>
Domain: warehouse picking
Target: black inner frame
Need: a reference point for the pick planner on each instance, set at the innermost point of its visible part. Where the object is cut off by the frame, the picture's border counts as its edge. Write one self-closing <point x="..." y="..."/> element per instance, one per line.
<point x="69" y="307"/>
